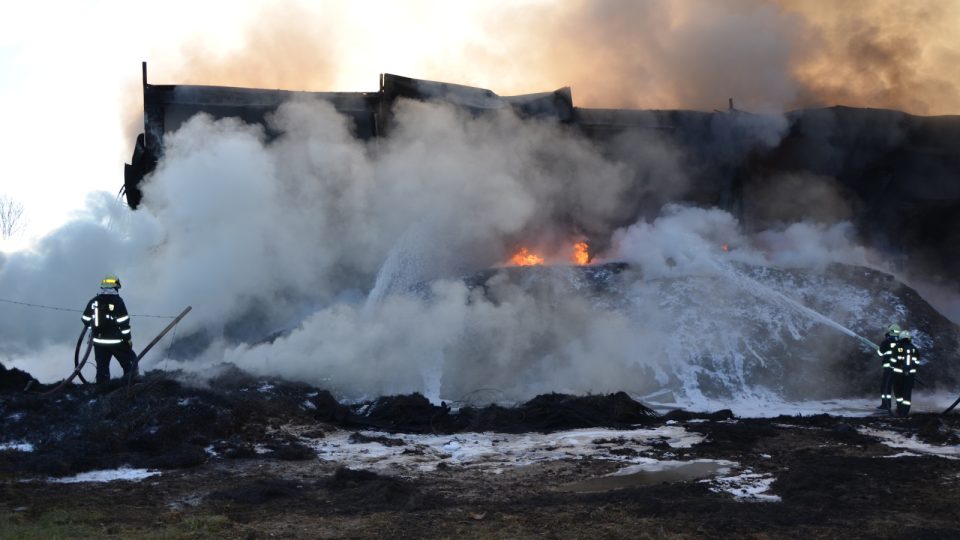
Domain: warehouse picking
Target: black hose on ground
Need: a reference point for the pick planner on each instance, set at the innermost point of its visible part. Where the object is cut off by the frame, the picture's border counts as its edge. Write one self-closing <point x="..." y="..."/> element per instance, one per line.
<point x="76" y="355"/>
<point x="79" y="365"/>
<point x="950" y="408"/>
<point x="136" y="362"/>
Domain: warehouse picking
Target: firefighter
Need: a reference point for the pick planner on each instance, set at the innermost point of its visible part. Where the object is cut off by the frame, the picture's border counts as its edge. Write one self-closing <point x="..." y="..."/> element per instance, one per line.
<point x="886" y="351"/>
<point x="904" y="371"/>
<point x="107" y="317"/>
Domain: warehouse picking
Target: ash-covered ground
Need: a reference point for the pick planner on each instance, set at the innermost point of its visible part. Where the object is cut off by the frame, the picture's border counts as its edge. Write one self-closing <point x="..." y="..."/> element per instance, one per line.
<point x="246" y="457"/>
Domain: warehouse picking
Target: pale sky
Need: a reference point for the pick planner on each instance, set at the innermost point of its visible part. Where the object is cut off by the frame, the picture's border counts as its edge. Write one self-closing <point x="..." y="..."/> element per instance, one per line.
<point x="68" y="73"/>
<point x="70" y="78"/>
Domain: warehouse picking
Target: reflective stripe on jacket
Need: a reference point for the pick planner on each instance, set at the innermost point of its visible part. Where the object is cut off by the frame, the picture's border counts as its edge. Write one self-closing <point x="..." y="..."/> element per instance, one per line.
<point x="887" y="350"/>
<point x="907" y="358"/>
<point x="107" y="317"/>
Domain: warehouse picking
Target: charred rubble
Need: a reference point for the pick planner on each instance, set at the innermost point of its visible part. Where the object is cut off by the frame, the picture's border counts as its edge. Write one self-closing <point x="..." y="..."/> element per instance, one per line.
<point x="163" y="423"/>
<point x="262" y="476"/>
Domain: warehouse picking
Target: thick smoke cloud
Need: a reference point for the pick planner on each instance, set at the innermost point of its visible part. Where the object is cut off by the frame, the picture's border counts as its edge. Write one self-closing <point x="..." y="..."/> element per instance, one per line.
<point x="884" y="54"/>
<point x="238" y="225"/>
<point x="788" y="198"/>
<point x="309" y="254"/>
<point x="292" y="45"/>
<point x="667" y="55"/>
<point x="766" y="54"/>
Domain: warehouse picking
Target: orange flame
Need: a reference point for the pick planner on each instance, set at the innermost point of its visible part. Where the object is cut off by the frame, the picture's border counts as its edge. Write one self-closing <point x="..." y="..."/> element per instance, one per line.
<point x="525" y="257"/>
<point x="581" y="255"/>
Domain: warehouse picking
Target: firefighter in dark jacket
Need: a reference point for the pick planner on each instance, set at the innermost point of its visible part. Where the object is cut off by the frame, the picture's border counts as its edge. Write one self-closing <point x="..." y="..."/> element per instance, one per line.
<point x="887" y="351"/>
<point x="107" y="317"/>
<point x="904" y="371"/>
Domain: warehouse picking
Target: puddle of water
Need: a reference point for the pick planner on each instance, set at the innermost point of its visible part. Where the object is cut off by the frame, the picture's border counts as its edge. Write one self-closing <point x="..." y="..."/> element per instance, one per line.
<point x="681" y="472"/>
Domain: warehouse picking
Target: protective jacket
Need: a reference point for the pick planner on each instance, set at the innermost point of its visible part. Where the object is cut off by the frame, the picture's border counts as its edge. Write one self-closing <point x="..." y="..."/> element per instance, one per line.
<point x="107" y="317"/>
<point x="887" y="350"/>
<point x="906" y="359"/>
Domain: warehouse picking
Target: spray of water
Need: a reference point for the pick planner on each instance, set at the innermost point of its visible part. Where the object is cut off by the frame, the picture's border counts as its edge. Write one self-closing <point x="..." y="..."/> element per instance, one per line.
<point x="755" y="287"/>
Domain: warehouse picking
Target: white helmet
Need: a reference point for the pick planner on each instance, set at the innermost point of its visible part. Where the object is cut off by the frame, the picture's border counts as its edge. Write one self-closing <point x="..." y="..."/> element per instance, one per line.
<point x="904" y="334"/>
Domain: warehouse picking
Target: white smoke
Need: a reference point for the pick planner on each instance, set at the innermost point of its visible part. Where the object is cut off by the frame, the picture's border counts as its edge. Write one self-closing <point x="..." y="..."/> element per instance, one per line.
<point x="353" y="253"/>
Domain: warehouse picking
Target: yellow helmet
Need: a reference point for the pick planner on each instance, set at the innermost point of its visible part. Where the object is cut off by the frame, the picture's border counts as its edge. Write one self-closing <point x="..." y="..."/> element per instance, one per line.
<point x="110" y="282"/>
<point x="894" y="329"/>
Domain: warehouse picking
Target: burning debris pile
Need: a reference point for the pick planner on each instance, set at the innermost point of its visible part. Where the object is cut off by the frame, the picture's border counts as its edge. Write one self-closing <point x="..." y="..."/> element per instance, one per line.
<point x="579" y="255"/>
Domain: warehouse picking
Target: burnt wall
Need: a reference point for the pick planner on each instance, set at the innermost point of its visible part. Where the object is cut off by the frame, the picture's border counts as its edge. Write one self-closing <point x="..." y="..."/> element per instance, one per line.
<point x="895" y="176"/>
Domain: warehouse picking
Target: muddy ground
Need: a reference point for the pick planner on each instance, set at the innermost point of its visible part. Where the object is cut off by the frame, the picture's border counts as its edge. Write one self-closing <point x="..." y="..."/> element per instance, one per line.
<point x="240" y="460"/>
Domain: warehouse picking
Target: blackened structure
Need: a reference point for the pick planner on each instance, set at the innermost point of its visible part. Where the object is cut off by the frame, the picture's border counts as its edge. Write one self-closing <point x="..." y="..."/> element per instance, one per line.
<point x="898" y="174"/>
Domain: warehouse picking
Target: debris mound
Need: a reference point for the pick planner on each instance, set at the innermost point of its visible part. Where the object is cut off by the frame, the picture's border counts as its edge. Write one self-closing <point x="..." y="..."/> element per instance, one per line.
<point x="163" y="423"/>
<point x="413" y="413"/>
<point x="15" y="380"/>
<point x="554" y="412"/>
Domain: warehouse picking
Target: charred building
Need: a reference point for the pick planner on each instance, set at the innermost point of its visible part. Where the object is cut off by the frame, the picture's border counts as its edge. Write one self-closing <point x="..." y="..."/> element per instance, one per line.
<point x="898" y="174"/>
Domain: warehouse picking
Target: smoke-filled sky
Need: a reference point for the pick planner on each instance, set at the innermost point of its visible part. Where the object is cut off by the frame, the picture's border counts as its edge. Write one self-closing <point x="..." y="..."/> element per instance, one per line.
<point x="70" y="70"/>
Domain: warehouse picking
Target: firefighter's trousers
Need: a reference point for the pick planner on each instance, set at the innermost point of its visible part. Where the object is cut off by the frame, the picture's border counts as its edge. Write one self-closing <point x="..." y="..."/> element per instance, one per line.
<point x="124" y="354"/>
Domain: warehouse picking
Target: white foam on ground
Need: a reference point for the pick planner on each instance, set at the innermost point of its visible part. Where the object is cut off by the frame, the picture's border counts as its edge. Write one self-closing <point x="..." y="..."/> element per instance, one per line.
<point x="491" y="452"/>
<point x="747" y="486"/>
<point x="18" y="446"/>
<point x="759" y="405"/>
<point x="911" y="444"/>
<point x="902" y="454"/>
<point x="496" y="451"/>
<point x="123" y="473"/>
<point x="763" y="407"/>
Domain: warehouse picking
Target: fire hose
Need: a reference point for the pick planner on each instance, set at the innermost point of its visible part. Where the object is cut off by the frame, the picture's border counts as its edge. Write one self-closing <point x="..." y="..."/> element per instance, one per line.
<point x="77" y="362"/>
<point x="136" y="361"/>
<point x="133" y="368"/>
<point x="950" y="408"/>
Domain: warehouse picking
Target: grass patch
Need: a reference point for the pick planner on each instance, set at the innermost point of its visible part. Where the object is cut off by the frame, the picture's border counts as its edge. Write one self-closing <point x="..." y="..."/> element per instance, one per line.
<point x="63" y="524"/>
<point x="55" y="524"/>
<point x="201" y="526"/>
